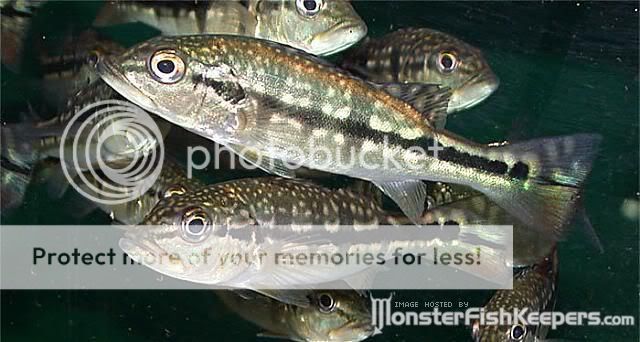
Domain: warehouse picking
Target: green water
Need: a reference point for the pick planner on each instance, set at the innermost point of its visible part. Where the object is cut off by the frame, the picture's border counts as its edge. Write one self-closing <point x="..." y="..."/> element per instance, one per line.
<point x="564" y="68"/>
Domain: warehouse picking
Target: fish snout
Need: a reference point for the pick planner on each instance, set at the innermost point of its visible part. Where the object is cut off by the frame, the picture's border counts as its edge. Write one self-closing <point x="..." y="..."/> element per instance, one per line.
<point x="473" y="92"/>
<point x="338" y="37"/>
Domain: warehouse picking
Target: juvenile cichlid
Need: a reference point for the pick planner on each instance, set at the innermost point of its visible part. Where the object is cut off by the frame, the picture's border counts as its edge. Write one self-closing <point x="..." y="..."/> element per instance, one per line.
<point x="333" y="315"/>
<point x="534" y="288"/>
<point x="25" y="144"/>
<point x="421" y="55"/>
<point x="320" y="27"/>
<point x="264" y="99"/>
<point x="251" y="216"/>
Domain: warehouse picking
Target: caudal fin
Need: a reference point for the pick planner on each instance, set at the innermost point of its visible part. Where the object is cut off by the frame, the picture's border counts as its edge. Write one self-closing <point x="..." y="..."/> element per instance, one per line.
<point x="14" y="182"/>
<point x="19" y="144"/>
<point x="546" y="181"/>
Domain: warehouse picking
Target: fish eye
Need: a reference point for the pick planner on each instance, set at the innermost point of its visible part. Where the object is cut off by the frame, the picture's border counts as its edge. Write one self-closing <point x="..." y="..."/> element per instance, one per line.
<point x="196" y="225"/>
<point x="166" y="66"/>
<point x="326" y="303"/>
<point x="175" y="189"/>
<point x="92" y="57"/>
<point x="517" y="332"/>
<point x="309" y="8"/>
<point x="447" y="62"/>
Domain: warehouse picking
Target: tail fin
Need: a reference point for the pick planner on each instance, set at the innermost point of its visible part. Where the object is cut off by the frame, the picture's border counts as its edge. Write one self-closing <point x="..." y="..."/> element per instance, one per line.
<point x="19" y="144"/>
<point x="547" y="181"/>
<point x="14" y="185"/>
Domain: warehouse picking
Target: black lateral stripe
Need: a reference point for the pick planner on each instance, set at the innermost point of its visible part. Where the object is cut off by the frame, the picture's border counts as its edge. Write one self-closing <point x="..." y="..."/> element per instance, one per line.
<point x="66" y="63"/>
<point x="8" y="165"/>
<point x="452" y="155"/>
<point x="361" y="130"/>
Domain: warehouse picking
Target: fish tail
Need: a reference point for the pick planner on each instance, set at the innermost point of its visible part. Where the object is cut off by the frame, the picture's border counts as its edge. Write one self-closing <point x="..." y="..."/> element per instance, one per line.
<point x="19" y="144"/>
<point x="546" y="180"/>
<point x="14" y="185"/>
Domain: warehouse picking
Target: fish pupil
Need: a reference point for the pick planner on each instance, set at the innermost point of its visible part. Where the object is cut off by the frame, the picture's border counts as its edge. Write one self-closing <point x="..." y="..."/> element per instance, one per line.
<point x="166" y="66"/>
<point x="446" y="62"/>
<point x="517" y="332"/>
<point x="310" y="5"/>
<point x="326" y="302"/>
<point x="196" y="226"/>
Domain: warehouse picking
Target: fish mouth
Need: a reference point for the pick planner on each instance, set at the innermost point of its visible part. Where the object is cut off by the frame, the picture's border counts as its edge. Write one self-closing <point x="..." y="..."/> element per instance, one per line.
<point x="337" y="38"/>
<point x="354" y="331"/>
<point x="115" y="78"/>
<point x="474" y="91"/>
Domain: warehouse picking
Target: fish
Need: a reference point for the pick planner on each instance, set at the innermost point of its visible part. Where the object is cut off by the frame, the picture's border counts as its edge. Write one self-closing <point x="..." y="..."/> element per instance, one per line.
<point x="534" y="288"/>
<point x="319" y="27"/>
<point x="68" y="71"/>
<point x="529" y="246"/>
<point x="333" y="315"/>
<point x="172" y="180"/>
<point x="25" y="144"/>
<point x="253" y="215"/>
<point x="422" y="55"/>
<point x="276" y="106"/>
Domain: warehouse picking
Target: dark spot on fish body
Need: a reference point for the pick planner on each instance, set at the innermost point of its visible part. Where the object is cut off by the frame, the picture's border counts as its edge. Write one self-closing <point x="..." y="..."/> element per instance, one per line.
<point x="450" y="154"/>
<point x="395" y="63"/>
<point x="229" y="91"/>
<point x="519" y="171"/>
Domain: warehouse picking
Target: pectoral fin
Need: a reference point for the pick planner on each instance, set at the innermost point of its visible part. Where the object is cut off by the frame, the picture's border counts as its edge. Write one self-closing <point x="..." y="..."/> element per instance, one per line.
<point x="431" y="100"/>
<point x="409" y="195"/>
<point x="270" y="165"/>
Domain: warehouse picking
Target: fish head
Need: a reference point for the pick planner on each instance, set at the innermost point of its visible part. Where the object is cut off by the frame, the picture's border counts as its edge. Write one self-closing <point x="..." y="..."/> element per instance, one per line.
<point x="334" y="315"/>
<point x="176" y="78"/>
<point x="459" y="66"/>
<point x="183" y="231"/>
<point x="320" y="27"/>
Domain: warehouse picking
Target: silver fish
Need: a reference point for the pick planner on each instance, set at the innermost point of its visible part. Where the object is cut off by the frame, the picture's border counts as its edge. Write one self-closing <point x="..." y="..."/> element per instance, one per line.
<point x="264" y="99"/>
<point x="534" y="288"/>
<point x="249" y="216"/>
<point x="423" y="55"/>
<point x="320" y="27"/>
<point x="333" y="315"/>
